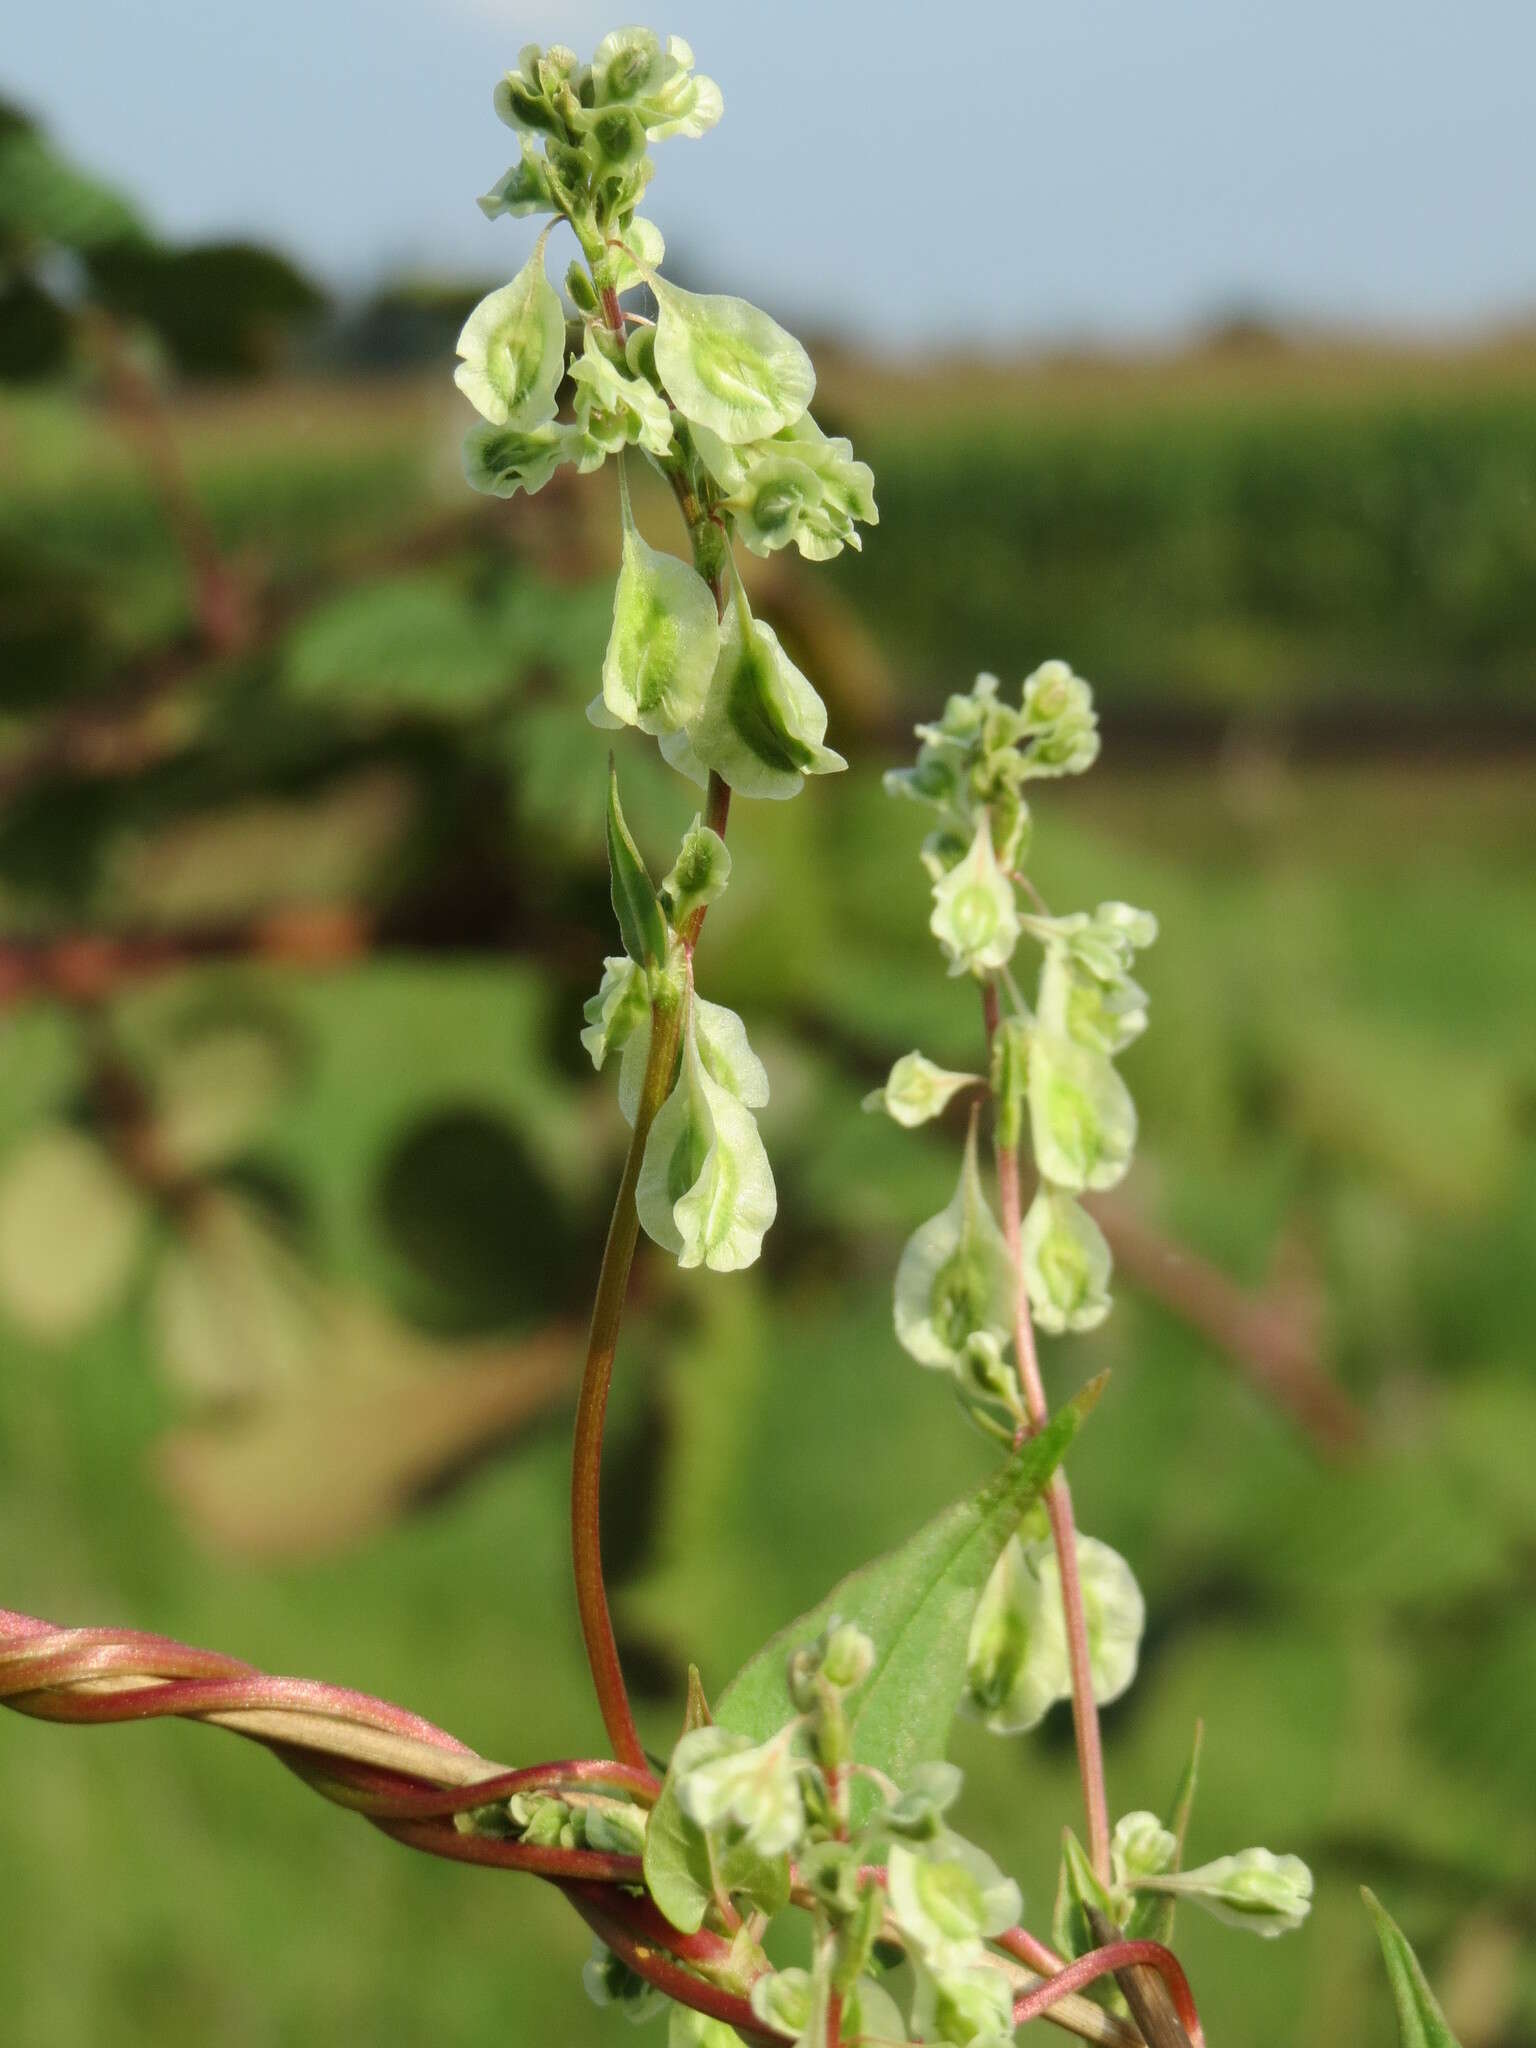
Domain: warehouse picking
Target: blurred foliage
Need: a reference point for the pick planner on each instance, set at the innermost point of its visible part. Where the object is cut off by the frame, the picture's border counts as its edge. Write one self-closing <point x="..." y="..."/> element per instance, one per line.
<point x="70" y="244"/>
<point x="1272" y="557"/>
<point x="303" y="1176"/>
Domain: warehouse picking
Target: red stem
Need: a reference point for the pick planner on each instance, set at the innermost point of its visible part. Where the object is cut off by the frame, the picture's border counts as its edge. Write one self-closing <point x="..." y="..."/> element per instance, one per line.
<point x="1058" y="1503"/>
<point x="1104" y="1962"/>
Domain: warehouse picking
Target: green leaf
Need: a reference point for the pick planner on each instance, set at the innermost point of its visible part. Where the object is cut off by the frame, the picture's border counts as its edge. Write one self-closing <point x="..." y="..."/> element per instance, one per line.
<point x="71" y="1229"/>
<point x="728" y="365"/>
<point x="635" y="902"/>
<point x="916" y="1606"/>
<point x="1419" y="2018"/>
<point x="1077" y="1889"/>
<point x="1151" y="1918"/>
<point x="403" y="644"/>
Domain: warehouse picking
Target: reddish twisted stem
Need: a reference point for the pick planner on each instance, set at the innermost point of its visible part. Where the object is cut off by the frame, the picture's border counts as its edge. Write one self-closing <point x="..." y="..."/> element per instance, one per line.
<point x="1105" y="1962"/>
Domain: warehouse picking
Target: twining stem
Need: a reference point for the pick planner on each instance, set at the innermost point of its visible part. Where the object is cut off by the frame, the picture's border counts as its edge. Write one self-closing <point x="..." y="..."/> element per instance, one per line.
<point x="592" y="1406"/>
<point x="1058" y="1503"/>
<point x="602" y="1344"/>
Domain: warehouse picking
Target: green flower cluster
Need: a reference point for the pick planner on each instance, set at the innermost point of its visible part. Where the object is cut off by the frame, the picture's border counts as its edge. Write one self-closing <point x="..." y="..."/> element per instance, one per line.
<point x="587" y="128"/>
<point x="1268" y="1895"/>
<point x="714" y="393"/>
<point x="776" y="1822"/>
<point x="1053" y="1073"/>
<point x="973" y="764"/>
<point x="1054" y="1062"/>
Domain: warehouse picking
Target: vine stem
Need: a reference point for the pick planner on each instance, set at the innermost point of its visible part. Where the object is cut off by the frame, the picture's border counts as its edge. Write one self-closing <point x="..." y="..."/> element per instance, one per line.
<point x="1058" y="1502"/>
<point x="602" y="1346"/>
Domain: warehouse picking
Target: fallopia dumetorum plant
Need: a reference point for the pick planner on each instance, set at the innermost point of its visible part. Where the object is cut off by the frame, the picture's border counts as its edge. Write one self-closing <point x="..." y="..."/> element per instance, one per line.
<point x="714" y="395"/>
<point x="968" y="1287"/>
<point x="816" y="1787"/>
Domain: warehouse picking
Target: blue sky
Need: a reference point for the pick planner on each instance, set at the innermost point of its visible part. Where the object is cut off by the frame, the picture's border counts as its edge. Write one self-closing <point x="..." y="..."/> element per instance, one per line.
<point x="1110" y="168"/>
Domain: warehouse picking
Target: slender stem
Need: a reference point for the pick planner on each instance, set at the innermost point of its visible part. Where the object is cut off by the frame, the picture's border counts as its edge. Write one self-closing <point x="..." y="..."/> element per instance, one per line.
<point x="1058" y="1502"/>
<point x="1116" y="1959"/>
<point x="592" y="1407"/>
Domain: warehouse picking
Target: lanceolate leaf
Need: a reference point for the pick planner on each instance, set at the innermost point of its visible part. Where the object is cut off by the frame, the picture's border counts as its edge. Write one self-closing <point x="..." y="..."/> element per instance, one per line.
<point x="635" y="903"/>
<point x="1420" y="2021"/>
<point x="916" y="1604"/>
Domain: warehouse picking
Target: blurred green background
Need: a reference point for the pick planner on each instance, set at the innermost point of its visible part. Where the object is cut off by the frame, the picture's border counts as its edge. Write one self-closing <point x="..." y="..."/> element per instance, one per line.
<point x="303" y="1178"/>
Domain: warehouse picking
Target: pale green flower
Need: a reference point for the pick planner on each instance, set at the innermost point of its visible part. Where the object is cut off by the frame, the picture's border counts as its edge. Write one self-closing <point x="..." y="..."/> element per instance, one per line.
<point x="1059" y="720"/>
<point x="1082" y="1118"/>
<point x="501" y="461"/>
<point x="727" y="365"/>
<point x="1067" y="1264"/>
<point x="641" y="252"/>
<point x="699" y="874"/>
<point x="666" y="636"/>
<point x="1142" y="1847"/>
<point x="513" y="346"/>
<point x="786" y="2001"/>
<point x="954" y="1277"/>
<point x="706" y="1189"/>
<point x="969" y="2005"/>
<point x="609" y="1981"/>
<point x="762" y="725"/>
<point x="948" y="1895"/>
<point x="620" y="1005"/>
<point x="615" y="409"/>
<point x="841" y="1658"/>
<point x="1017" y="1662"/>
<point x="916" y="1090"/>
<point x="919" y="1808"/>
<point x="689" y="2029"/>
<point x="522" y="190"/>
<point x="725" y="1781"/>
<point x="1265" y="1893"/>
<point x="975" y="918"/>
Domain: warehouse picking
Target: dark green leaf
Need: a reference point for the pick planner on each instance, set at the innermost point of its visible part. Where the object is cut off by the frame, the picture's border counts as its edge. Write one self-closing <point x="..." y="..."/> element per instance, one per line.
<point x="1077" y="1891"/>
<point x="635" y="902"/>
<point x="1420" y="2021"/>
<point x="917" y="1605"/>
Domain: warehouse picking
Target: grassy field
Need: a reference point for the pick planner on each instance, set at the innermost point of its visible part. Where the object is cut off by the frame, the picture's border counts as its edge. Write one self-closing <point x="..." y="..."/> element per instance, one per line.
<point x="1339" y="1088"/>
